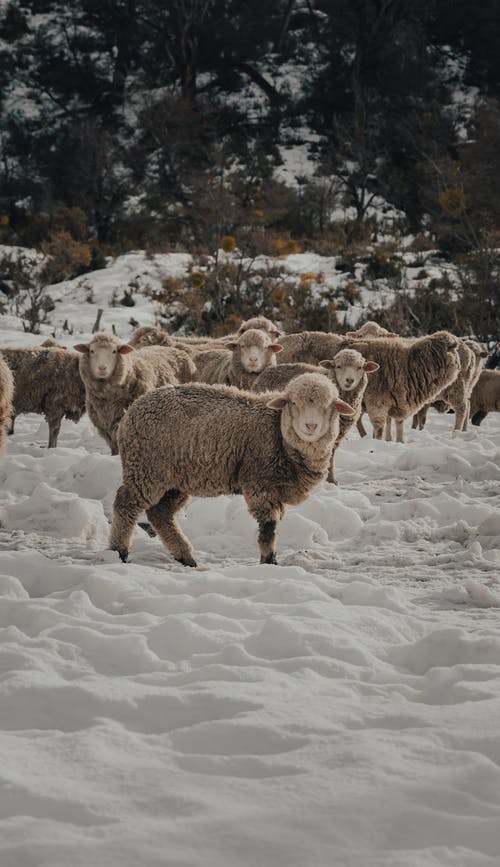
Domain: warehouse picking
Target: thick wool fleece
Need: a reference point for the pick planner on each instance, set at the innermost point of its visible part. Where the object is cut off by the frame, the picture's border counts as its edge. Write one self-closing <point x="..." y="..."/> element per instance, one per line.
<point x="485" y="396"/>
<point x="456" y="396"/>
<point x="135" y="374"/>
<point x="411" y="374"/>
<point x="6" y="396"/>
<point x="47" y="381"/>
<point x="310" y="347"/>
<point x="220" y="441"/>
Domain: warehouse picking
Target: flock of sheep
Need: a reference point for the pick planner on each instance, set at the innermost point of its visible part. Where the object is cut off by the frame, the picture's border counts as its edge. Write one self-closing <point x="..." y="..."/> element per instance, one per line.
<point x="255" y="413"/>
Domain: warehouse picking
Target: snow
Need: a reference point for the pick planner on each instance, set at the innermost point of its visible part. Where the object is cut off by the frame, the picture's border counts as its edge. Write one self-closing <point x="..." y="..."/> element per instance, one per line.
<point x="340" y="708"/>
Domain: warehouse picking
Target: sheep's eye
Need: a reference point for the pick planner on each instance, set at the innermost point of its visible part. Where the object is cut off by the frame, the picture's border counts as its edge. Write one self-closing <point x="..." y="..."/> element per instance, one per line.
<point x="91" y="351"/>
<point x="114" y="351"/>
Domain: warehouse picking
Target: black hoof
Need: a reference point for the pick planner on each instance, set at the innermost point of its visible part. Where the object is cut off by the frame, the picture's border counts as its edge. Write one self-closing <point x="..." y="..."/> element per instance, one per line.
<point x="123" y="554"/>
<point x="271" y="558"/>
<point x="186" y="561"/>
<point x="146" y="526"/>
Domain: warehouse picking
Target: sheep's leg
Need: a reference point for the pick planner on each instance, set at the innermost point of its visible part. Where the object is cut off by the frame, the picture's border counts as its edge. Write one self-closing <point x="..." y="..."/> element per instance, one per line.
<point x="10" y="425"/>
<point x="460" y="415"/>
<point x="400" y="436"/>
<point x="126" y="509"/>
<point x="388" y="429"/>
<point x="361" y="428"/>
<point x="267" y="516"/>
<point x="331" y="469"/>
<point x="465" y="423"/>
<point x="162" y="517"/>
<point x="54" y="423"/>
<point x="378" y="423"/>
<point x="420" y="418"/>
<point x="478" y="417"/>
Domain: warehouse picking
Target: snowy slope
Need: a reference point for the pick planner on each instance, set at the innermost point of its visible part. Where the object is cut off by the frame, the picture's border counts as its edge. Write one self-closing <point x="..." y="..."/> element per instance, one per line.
<point x="341" y="708"/>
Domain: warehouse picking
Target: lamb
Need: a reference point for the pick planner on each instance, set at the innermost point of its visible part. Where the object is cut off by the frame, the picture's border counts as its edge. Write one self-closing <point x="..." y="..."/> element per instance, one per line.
<point x="6" y="396"/>
<point x="273" y="449"/>
<point x="485" y="396"/>
<point x="47" y="381"/>
<point x="114" y="375"/>
<point x="370" y="329"/>
<point x="240" y="362"/>
<point x="412" y="373"/>
<point x="457" y="395"/>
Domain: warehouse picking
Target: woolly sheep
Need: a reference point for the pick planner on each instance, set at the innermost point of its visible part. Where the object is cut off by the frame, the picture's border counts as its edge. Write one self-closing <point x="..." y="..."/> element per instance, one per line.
<point x="412" y="373"/>
<point x="262" y="324"/>
<point x="47" y="381"/>
<point x="114" y="375"/>
<point x="310" y="346"/>
<point x="485" y="396"/>
<point x="52" y="343"/>
<point x="6" y="396"/>
<point x="348" y="370"/>
<point x="240" y="362"/>
<point x="370" y="329"/>
<point x="457" y="395"/>
<point x="223" y="441"/>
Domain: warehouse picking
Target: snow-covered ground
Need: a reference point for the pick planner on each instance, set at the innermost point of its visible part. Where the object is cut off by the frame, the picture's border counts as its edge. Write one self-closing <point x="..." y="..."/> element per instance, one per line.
<point x="339" y="709"/>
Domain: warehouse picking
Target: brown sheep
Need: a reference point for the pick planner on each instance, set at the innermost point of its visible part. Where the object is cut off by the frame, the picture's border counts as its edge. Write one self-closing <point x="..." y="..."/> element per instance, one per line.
<point x="370" y="329"/>
<point x="223" y="441"/>
<point x="412" y="373"/>
<point x="457" y="395"/>
<point x="114" y="375"/>
<point x="47" y="381"/>
<point x="241" y="362"/>
<point x="485" y="396"/>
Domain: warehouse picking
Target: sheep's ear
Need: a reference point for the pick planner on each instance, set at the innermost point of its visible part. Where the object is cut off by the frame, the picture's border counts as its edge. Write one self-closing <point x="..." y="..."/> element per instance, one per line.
<point x="232" y="346"/>
<point x="81" y="347"/>
<point x="275" y="335"/>
<point x="327" y="362"/>
<point x="278" y="402"/>
<point x="370" y="366"/>
<point x="485" y="354"/>
<point x="351" y="335"/>
<point x="343" y="408"/>
<point x="125" y="348"/>
<point x="275" y="347"/>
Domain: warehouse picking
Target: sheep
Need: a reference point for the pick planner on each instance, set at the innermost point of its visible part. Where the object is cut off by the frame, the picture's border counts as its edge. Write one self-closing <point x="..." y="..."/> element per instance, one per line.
<point x="47" y="381"/>
<point x="6" y="396"/>
<point x="412" y="373"/>
<point x="149" y="335"/>
<point x="114" y="375"/>
<point x="240" y="362"/>
<point x="370" y="329"/>
<point x="456" y="396"/>
<point x="52" y="343"/>
<point x="272" y="449"/>
<point x="348" y="370"/>
<point x="262" y="324"/>
<point x="310" y="346"/>
<point x="485" y="396"/>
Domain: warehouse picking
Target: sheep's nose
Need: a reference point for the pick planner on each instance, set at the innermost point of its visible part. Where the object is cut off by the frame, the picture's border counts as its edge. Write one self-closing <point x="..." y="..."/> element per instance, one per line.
<point x="311" y="426"/>
<point x="349" y="380"/>
<point x="102" y="368"/>
<point x="253" y="359"/>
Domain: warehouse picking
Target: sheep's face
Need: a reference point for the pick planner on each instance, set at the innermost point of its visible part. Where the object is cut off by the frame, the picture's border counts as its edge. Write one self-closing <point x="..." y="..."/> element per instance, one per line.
<point x="103" y="355"/>
<point x="312" y="404"/>
<point x="256" y="350"/>
<point x="348" y="368"/>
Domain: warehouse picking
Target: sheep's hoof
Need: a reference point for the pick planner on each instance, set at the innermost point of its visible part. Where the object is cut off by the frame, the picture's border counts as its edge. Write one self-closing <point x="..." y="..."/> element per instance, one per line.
<point x="187" y="561"/>
<point x="123" y="554"/>
<point x="271" y="558"/>
<point x="146" y="526"/>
